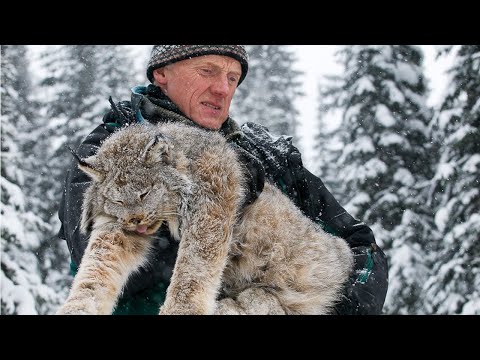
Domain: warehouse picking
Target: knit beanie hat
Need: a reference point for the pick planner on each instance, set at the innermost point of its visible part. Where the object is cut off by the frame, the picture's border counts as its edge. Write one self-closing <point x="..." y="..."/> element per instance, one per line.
<point x="167" y="54"/>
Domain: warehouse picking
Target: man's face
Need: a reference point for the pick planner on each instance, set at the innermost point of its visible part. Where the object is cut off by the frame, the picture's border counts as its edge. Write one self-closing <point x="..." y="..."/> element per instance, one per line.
<point x="202" y="87"/>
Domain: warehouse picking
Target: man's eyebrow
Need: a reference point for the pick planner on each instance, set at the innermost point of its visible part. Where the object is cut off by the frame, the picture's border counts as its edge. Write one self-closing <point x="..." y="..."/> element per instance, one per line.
<point x="209" y="63"/>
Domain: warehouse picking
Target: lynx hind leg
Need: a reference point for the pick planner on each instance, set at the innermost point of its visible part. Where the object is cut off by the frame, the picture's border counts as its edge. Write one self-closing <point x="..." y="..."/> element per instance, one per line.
<point x="108" y="261"/>
<point x="322" y="289"/>
<point x="252" y="301"/>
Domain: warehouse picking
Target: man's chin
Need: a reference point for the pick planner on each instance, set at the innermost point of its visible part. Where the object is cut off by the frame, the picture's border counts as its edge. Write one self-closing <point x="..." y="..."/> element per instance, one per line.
<point x="209" y="123"/>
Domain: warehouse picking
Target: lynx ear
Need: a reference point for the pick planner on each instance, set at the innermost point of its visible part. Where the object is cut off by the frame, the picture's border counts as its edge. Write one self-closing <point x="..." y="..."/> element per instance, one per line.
<point x="87" y="166"/>
<point x="157" y="150"/>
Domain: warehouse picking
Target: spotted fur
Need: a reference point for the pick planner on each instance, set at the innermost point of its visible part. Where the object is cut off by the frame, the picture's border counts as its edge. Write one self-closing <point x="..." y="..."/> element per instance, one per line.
<point x="266" y="258"/>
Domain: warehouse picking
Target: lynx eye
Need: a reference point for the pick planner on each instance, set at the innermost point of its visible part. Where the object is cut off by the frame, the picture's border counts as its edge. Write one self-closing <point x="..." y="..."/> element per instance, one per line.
<point x="118" y="202"/>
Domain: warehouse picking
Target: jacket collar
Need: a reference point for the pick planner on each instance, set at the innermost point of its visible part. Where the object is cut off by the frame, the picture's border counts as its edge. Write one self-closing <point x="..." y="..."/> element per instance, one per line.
<point x="150" y="103"/>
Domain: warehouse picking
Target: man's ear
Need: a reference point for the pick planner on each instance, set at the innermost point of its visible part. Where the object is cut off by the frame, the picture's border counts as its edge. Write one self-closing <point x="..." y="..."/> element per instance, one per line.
<point x="160" y="76"/>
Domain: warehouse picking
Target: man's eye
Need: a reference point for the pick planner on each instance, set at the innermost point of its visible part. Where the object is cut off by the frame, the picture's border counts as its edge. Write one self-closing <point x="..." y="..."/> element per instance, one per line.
<point x="206" y="71"/>
<point x="233" y="79"/>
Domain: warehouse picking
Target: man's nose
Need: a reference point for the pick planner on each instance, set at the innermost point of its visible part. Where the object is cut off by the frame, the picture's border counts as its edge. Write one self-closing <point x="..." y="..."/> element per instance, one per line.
<point x="220" y="86"/>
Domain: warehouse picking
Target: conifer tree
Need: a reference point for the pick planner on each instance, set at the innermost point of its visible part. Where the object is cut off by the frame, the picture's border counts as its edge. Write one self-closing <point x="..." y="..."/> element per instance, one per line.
<point x="269" y="92"/>
<point x="23" y="290"/>
<point x="454" y="287"/>
<point x="72" y="97"/>
<point x="386" y="159"/>
<point x="76" y="86"/>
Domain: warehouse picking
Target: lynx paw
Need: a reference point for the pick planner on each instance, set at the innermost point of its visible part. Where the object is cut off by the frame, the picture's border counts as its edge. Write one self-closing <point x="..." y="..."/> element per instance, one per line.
<point x="78" y="308"/>
<point x="178" y="310"/>
<point x="228" y="306"/>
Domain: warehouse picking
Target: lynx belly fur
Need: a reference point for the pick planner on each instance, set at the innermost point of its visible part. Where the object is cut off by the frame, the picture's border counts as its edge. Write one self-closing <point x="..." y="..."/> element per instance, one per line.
<point x="265" y="258"/>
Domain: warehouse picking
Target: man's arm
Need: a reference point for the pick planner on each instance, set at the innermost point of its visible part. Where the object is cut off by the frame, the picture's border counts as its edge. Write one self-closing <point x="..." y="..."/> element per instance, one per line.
<point x="365" y="294"/>
<point x="366" y="291"/>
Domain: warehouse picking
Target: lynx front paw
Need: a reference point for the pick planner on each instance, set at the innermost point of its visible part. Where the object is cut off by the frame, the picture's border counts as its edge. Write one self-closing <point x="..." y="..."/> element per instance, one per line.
<point x="78" y="308"/>
<point x="228" y="306"/>
<point x="182" y="309"/>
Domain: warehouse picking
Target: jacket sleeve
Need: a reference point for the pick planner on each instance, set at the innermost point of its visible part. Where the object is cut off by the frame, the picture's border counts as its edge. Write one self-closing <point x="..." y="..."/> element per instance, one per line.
<point x="326" y="210"/>
<point x="76" y="182"/>
<point x="366" y="290"/>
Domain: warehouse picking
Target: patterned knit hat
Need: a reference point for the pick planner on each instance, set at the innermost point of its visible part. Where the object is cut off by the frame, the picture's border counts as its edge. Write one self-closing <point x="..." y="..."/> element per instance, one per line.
<point x="166" y="54"/>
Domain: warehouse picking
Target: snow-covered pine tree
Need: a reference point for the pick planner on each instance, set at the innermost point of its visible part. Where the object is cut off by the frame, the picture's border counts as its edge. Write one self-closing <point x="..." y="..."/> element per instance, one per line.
<point x="22" y="288"/>
<point x="386" y="160"/>
<point x="270" y="90"/>
<point x="75" y="87"/>
<point x="454" y="287"/>
<point x="72" y="90"/>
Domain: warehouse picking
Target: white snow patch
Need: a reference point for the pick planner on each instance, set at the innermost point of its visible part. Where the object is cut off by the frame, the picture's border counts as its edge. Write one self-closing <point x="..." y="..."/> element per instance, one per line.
<point x="384" y="116"/>
<point x="403" y="176"/>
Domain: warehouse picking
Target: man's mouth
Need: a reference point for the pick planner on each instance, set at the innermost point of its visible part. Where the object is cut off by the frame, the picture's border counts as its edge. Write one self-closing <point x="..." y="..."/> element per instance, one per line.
<point x="211" y="106"/>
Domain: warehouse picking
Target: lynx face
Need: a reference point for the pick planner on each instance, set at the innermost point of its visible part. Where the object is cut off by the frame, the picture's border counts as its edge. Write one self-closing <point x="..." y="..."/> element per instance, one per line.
<point x="141" y="187"/>
<point x="139" y="208"/>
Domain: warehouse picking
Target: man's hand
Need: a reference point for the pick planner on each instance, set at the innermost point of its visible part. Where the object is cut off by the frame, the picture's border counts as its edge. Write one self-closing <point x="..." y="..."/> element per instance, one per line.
<point x="281" y="160"/>
<point x="119" y="115"/>
<point x="255" y="173"/>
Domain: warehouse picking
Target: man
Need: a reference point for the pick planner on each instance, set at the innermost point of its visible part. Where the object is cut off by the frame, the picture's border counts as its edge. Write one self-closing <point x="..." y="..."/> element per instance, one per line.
<point x="195" y="84"/>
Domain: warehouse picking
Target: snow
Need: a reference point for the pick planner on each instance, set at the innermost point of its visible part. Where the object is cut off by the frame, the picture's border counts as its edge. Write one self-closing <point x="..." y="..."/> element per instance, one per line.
<point x="406" y="73"/>
<point x="459" y="230"/>
<point x="404" y="177"/>
<point x="391" y="139"/>
<point x="415" y="98"/>
<point x="16" y="298"/>
<point x="460" y="133"/>
<point x="472" y="307"/>
<point x="353" y="112"/>
<point x="372" y="169"/>
<point x="361" y="145"/>
<point x="364" y="85"/>
<point x="14" y="192"/>
<point x="444" y="171"/>
<point x="388" y="198"/>
<point x="384" y="116"/>
<point x="476" y="107"/>
<point x="357" y="201"/>
<point x="472" y="165"/>
<point x="441" y="218"/>
<point x="394" y="93"/>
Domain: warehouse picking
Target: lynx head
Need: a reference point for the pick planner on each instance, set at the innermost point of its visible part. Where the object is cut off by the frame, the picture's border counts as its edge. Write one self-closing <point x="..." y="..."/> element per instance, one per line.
<point x="138" y="179"/>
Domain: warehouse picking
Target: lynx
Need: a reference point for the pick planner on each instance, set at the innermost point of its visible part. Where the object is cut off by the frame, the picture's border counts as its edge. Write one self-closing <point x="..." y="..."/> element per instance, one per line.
<point x="263" y="258"/>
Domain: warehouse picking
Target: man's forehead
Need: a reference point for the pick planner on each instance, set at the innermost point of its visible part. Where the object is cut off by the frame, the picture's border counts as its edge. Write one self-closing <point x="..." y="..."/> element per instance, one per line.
<point x="215" y="60"/>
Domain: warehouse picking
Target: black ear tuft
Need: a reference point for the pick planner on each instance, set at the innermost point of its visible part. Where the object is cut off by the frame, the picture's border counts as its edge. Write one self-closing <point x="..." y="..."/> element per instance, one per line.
<point x="87" y="166"/>
<point x="75" y="155"/>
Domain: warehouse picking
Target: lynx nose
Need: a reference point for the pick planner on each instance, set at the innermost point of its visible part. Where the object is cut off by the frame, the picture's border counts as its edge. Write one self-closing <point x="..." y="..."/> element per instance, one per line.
<point x="135" y="219"/>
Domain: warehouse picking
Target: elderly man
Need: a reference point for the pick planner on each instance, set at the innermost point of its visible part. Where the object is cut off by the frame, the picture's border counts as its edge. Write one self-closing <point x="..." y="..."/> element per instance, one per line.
<point x="195" y="84"/>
